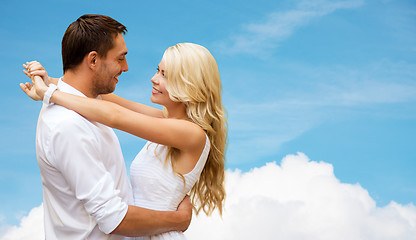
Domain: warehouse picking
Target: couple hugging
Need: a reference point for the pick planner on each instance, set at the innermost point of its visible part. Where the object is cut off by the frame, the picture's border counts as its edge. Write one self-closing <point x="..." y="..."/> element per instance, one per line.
<point x="86" y="191"/>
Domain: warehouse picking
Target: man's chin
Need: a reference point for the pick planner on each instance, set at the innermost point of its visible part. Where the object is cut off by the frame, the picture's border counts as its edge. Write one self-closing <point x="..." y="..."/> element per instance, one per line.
<point x="110" y="91"/>
<point x="106" y="91"/>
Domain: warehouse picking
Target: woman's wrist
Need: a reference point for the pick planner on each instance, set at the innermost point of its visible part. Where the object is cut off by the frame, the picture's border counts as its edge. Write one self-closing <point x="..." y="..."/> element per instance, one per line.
<point x="48" y="94"/>
<point x="52" y="80"/>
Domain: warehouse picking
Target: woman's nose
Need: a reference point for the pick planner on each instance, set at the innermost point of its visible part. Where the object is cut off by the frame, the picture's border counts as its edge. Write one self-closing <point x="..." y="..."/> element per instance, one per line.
<point x="154" y="79"/>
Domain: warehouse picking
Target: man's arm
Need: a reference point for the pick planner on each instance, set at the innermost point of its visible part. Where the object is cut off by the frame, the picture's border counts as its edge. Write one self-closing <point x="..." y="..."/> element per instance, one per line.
<point x="93" y="185"/>
<point x="141" y="222"/>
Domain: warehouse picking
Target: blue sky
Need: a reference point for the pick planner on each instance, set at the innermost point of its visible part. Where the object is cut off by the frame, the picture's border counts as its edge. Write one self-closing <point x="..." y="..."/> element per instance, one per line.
<point x="335" y="80"/>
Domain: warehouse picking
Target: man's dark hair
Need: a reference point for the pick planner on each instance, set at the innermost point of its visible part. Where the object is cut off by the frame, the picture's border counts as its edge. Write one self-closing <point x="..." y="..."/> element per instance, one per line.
<point x="88" y="33"/>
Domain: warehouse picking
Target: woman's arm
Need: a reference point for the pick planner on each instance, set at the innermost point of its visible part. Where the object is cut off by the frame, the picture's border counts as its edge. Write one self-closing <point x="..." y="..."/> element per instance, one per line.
<point x="137" y="107"/>
<point x="53" y="80"/>
<point x="180" y="134"/>
<point x="177" y="133"/>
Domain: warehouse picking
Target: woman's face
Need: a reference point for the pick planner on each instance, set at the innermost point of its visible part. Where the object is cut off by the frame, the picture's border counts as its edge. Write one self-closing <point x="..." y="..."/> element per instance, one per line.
<point x="159" y="93"/>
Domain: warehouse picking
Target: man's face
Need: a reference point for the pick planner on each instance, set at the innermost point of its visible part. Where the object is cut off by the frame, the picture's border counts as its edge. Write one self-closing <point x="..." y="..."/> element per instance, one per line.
<point x="111" y="67"/>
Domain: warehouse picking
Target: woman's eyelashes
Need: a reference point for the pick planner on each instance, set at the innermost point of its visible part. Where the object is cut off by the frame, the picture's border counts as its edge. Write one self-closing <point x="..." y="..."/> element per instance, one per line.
<point x="161" y="72"/>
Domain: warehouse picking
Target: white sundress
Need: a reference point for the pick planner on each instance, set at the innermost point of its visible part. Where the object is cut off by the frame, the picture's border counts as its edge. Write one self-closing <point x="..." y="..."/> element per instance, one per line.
<point x="155" y="185"/>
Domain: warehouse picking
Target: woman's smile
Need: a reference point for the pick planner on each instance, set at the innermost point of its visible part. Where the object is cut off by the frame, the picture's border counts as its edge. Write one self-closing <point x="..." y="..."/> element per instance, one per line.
<point x="156" y="91"/>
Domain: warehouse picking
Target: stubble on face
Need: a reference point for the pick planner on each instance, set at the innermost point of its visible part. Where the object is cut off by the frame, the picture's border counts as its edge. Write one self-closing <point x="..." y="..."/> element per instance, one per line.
<point x="110" y="68"/>
<point x="103" y="82"/>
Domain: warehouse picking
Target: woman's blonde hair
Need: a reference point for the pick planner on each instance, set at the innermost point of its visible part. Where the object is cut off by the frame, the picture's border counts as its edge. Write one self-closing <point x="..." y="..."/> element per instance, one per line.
<point x="193" y="78"/>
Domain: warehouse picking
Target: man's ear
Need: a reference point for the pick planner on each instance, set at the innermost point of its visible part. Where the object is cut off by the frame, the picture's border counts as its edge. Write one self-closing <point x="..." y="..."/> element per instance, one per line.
<point x="92" y="59"/>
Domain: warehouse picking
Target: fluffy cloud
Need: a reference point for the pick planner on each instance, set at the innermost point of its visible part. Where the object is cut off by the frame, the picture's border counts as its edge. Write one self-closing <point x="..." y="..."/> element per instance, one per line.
<point x="31" y="227"/>
<point x="300" y="199"/>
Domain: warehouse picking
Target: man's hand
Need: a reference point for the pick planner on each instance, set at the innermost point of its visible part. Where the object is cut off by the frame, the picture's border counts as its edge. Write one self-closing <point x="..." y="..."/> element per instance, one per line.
<point x="145" y="222"/>
<point x="185" y="208"/>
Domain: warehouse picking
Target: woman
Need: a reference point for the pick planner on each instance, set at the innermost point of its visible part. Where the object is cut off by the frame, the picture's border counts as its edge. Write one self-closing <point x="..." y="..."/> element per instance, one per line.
<point x="186" y="141"/>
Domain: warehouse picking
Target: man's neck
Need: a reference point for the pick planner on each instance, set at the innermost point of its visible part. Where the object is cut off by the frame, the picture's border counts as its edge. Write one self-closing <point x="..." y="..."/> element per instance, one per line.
<point x="79" y="81"/>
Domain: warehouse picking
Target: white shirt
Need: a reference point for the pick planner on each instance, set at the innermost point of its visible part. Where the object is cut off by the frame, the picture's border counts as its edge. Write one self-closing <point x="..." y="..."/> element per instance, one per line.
<point x="85" y="185"/>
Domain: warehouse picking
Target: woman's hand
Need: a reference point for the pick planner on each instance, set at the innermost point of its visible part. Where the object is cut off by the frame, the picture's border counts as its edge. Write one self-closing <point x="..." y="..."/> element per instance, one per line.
<point x="34" y="68"/>
<point x="30" y="90"/>
<point x="38" y="74"/>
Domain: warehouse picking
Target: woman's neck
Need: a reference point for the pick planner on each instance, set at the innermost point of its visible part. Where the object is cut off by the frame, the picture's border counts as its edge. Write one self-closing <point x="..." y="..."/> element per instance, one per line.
<point x="177" y="111"/>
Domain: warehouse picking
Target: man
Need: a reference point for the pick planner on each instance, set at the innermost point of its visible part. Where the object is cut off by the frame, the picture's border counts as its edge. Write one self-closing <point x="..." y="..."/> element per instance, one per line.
<point x="85" y="187"/>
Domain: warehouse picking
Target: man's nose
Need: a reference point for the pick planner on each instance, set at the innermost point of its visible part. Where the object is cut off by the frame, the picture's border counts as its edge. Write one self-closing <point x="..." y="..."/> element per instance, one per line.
<point x="125" y="66"/>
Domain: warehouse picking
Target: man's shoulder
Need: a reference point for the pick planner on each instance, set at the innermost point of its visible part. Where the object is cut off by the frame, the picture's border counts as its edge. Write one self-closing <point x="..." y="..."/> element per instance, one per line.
<point x="55" y="116"/>
<point x="55" y="112"/>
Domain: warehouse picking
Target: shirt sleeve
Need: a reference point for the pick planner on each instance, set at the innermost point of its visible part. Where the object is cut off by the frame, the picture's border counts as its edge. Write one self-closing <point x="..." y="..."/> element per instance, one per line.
<point x="76" y="152"/>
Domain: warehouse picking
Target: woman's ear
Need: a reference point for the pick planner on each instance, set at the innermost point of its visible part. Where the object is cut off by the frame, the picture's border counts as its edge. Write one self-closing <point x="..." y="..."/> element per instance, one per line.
<point x="92" y="59"/>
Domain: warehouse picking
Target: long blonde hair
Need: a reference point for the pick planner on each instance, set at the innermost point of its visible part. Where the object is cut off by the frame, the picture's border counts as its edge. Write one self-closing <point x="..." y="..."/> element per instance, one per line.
<point x="193" y="78"/>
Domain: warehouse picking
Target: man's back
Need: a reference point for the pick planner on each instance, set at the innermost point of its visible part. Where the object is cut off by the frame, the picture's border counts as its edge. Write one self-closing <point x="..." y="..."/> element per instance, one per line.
<point x="85" y="185"/>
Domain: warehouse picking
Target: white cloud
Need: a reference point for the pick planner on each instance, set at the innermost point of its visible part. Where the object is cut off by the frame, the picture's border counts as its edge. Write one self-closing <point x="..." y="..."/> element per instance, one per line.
<point x="300" y="199"/>
<point x="257" y="37"/>
<point x="31" y="227"/>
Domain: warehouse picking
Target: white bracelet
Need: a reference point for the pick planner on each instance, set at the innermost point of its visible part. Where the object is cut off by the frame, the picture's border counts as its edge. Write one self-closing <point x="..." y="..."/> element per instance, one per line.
<point x="48" y="93"/>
